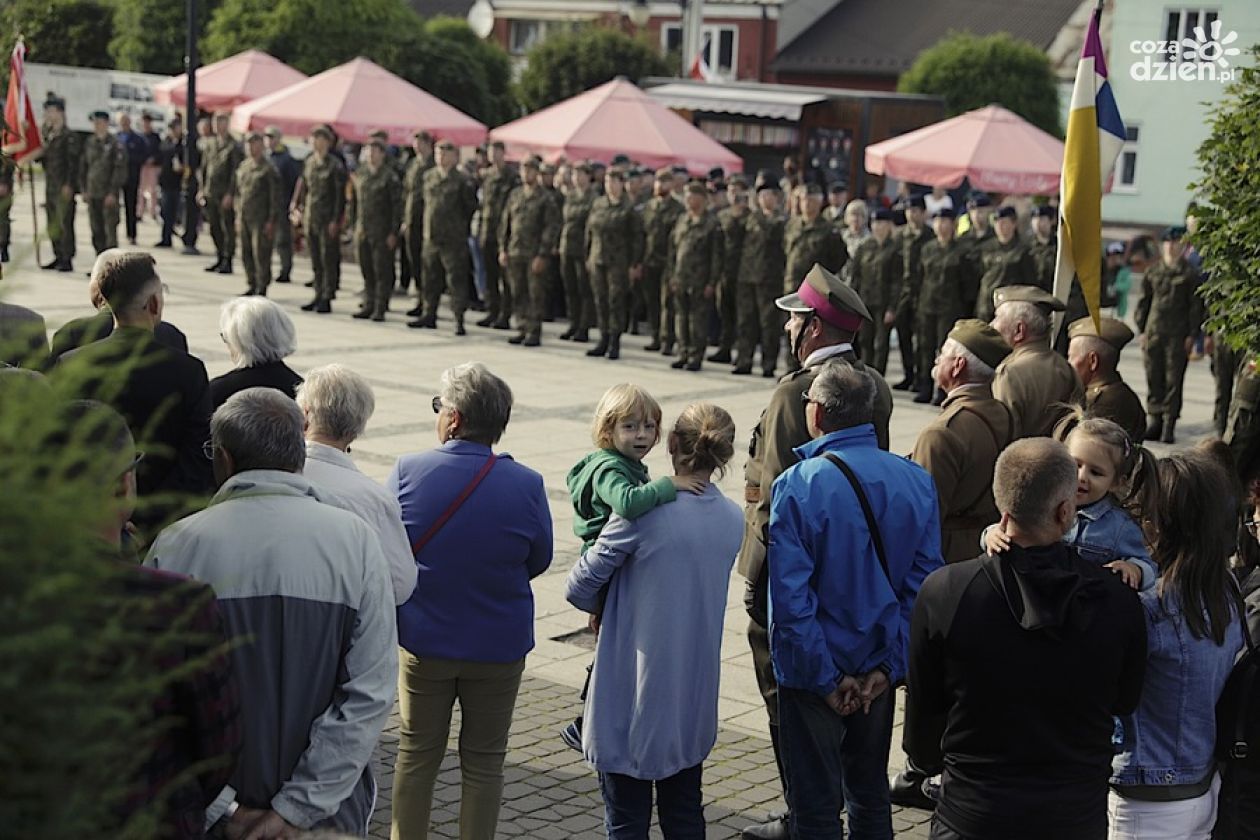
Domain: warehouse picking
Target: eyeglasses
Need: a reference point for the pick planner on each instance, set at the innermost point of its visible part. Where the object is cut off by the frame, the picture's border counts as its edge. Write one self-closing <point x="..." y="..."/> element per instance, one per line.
<point x="135" y="462"/>
<point x="207" y="449"/>
<point x="437" y="405"/>
<point x="1253" y="526"/>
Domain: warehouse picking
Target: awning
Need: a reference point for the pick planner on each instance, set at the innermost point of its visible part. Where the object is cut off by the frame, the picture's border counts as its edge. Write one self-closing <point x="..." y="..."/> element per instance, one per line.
<point x="746" y="101"/>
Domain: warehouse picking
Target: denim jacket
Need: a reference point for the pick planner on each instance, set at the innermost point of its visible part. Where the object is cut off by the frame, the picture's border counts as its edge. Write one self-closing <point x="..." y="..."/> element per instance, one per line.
<point x="1171" y="737"/>
<point x="1105" y="532"/>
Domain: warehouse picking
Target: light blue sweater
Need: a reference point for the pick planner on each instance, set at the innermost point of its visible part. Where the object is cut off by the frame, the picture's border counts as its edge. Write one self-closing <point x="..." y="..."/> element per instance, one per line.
<point x="652" y="707"/>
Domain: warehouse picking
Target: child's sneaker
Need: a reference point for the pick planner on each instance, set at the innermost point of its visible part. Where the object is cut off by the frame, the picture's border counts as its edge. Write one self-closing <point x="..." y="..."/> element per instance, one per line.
<point x="572" y="734"/>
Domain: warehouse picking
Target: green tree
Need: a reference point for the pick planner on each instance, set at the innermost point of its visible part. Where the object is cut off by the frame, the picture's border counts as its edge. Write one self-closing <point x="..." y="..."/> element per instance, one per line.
<point x="490" y="58"/>
<point x="1229" y="217"/>
<point x="73" y="32"/>
<point x="150" y="35"/>
<point x="971" y="72"/>
<point x="565" y="65"/>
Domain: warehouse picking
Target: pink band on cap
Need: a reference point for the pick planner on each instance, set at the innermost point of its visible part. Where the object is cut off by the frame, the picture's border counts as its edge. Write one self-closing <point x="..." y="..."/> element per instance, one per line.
<point x="823" y="306"/>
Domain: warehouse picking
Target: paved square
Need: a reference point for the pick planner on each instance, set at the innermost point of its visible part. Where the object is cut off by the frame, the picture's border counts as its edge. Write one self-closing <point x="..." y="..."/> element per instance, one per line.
<point x="550" y="792"/>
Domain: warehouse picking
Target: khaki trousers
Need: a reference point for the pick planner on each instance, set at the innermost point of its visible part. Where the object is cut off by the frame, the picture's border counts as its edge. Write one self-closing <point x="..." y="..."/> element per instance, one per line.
<point x="427" y="691"/>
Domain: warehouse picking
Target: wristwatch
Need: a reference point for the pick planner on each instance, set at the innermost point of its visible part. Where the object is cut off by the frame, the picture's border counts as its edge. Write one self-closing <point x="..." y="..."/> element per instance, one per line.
<point x="232" y="808"/>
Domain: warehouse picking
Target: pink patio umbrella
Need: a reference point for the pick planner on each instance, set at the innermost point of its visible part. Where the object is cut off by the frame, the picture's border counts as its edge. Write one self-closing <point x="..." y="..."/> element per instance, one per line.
<point x="357" y="98"/>
<point x="997" y="150"/>
<point x="615" y="118"/>
<point x="230" y="82"/>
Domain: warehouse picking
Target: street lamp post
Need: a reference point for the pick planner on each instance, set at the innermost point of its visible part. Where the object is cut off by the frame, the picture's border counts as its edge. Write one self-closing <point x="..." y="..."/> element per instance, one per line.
<point x="190" y="126"/>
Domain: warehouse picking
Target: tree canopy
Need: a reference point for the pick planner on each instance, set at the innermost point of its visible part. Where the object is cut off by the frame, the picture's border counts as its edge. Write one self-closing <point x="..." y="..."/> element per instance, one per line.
<point x="972" y="71"/>
<point x="74" y="32"/>
<point x="1229" y="216"/>
<point x="150" y="35"/>
<point x="565" y="65"/>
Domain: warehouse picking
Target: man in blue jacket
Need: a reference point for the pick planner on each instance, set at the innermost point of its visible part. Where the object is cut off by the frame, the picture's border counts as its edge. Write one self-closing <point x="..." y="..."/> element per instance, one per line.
<point x="854" y="531"/>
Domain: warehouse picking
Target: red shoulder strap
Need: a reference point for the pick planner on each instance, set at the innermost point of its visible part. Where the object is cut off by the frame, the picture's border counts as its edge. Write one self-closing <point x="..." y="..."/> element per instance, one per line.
<point x="418" y="545"/>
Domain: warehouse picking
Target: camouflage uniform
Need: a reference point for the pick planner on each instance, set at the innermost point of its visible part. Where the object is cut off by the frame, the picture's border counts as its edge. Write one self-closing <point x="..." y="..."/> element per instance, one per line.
<point x="496" y="186"/>
<point x="806" y="243"/>
<point x="1044" y="255"/>
<point x="325" y="202"/>
<point x="103" y="171"/>
<point x="659" y="217"/>
<point x="877" y="276"/>
<point x="377" y="212"/>
<point x="732" y="247"/>
<point x="61" y="169"/>
<point x="1004" y="264"/>
<point x="260" y="196"/>
<point x="530" y="228"/>
<point x="1169" y="312"/>
<point x="579" y="301"/>
<point x="449" y="203"/>
<point x="413" y="219"/>
<point x="951" y="277"/>
<point x="759" y="285"/>
<point x="614" y="242"/>
<point x="221" y="157"/>
<point x="912" y="242"/>
<point x="692" y="271"/>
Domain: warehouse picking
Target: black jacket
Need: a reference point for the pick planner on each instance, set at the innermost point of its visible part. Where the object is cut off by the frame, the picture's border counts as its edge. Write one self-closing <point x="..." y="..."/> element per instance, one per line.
<point x="81" y="331"/>
<point x="169" y="152"/>
<point x="276" y="375"/>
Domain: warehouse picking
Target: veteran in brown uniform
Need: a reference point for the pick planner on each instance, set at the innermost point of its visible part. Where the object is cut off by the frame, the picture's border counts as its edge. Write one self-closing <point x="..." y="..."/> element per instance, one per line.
<point x="1094" y="354"/>
<point x="1034" y="381"/>
<point x="960" y="447"/>
<point x="826" y="316"/>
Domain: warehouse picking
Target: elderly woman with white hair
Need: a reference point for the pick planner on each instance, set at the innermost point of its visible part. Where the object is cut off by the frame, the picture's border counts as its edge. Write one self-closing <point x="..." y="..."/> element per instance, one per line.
<point x="259" y="335"/>
<point x="337" y="404"/>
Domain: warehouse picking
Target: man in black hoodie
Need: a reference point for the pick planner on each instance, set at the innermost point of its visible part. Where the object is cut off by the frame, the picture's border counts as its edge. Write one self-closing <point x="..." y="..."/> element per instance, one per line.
<point x="1017" y="664"/>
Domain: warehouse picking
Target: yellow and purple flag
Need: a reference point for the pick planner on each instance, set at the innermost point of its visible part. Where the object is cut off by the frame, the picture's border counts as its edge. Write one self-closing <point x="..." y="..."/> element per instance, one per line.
<point x="1095" y="136"/>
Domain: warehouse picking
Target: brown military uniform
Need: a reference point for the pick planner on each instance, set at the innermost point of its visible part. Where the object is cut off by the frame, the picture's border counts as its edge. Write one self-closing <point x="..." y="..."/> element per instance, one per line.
<point x="1110" y="397"/>
<point x="1034" y="382"/>
<point x="960" y="449"/>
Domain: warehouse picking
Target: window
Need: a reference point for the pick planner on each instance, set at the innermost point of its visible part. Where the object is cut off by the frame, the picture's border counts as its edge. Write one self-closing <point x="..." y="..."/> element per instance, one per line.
<point x="1180" y="25"/>
<point x="1126" y="167"/>
<point x="523" y="34"/>
<point x="720" y="45"/>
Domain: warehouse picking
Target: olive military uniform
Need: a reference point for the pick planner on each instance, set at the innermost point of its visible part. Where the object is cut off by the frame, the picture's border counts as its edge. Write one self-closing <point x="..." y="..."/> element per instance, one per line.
<point x="951" y="278"/>
<point x="496" y="186"/>
<point x="692" y="271"/>
<point x="578" y="298"/>
<point x="413" y="219"/>
<point x="760" y="283"/>
<point x="731" y="222"/>
<point x="878" y="275"/>
<point x="806" y="244"/>
<point x="325" y="201"/>
<point x="1169" y="313"/>
<point x="1044" y="255"/>
<point x="62" y="179"/>
<point x="614" y="242"/>
<point x="449" y="203"/>
<point x="260" y="198"/>
<point x="221" y="157"/>
<point x="104" y="170"/>
<point x="377" y="214"/>
<point x="912" y="242"/>
<point x="659" y="217"/>
<point x="530" y="228"/>
<point x="1003" y="264"/>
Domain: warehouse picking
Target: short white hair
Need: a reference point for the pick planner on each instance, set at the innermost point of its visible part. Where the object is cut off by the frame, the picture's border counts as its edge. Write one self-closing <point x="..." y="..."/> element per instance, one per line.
<point x="977" y="371"/>
<point x="337" y="402"/>
<point x="256" y="331"/>
<point x="857" y="207"/>
<point x="1034" y="318"/>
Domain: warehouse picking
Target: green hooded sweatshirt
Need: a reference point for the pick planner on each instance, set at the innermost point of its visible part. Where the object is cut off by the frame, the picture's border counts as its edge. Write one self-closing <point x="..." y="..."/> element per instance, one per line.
<point x="607" y="482"/>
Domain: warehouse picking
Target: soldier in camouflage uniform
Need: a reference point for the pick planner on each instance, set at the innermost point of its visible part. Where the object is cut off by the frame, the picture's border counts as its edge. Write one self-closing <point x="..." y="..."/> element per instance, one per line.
<point x="731" y="220"/>
<point x="760" y="284"/>
<point x="913" y="237"/>
<point x="528" y="233"/>
<point x="692" y="271"/>
<point x="260" y="195"/>
<point x="220" y="158"/>
<point x="7" y="168"/>
<point x="497" y="184"/>
<point x="102" y="174"/>
<point x="808" y="238"/>
<point x="659" y="217"/>
<point x="413" y="213"/>
<point x="324" y="201"/>
<point x="395" y="162"/>
<point x="951" y="277"/>
<point x="614" y="254"/>
<point x="1005" y="261"/>
<point x="61" y="182"/>
<point x="579" y="300"/>
<point x="877" y="277"/>
<point x="449" y="203"/>
<point x="289" y="171"/>
<point x="376" y="208"/>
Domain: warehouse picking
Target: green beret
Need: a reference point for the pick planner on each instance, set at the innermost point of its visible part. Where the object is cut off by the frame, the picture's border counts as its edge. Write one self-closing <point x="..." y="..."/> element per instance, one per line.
<point x="1112" y="331"/>
<point x="1027" y="294"/>
<point x="982" y="340"/>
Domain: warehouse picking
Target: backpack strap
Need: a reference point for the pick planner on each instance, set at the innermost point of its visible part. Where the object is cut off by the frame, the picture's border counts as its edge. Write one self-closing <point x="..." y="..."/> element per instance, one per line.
<point x="871" y="524"/>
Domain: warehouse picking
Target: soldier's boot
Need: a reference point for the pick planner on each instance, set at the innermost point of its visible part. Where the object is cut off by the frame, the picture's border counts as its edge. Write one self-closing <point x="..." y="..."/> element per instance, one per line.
<point x="502" y="323"/>
<point x="363" y="314"/>
<point x="652" y="346"/>
<point x="667" y="348"/>
<point x="720" y="357"/>
<point x="488" y="320"/>
<point x="1155" y="428"/>
<point x="678" y="364"/>
<point x="323" y="307"/>
<point x="567" y="335"/>
<point x="459" y="325"/>
<point x="600" y="348"/>
<point x="284" y="278"/>
<point x="519" y="338"/>
<point x="1169" y="428"/>
<point x="581" y="336"/>
<point x="532" y="340"/>
<point x="693" y="365"/>
<point x="905" y="384"/>
<point x="614" y="347"/>
<point x="310" y="307"/>
<point x="4" y="253"/>
<point x="925" y="393"/>
<point x="214" y="266"/>
<point x="226" y="266"/>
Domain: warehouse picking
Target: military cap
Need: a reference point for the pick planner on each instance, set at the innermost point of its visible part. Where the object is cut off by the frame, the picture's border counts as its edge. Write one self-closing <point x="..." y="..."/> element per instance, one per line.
<point x="829" y="297"/>
<point x="379" y="134"/>
<point x="979" y="199"/>
<point x="531" y="162"/>
<point x="1006" y="212"/>
<point x="446" y="144"/>
<point x="982" y="340"/>
<point x="620" y="160"/>
<point x="273" y="131"/>
<point x="1173" y="234"/>
<point x="582" y="166"/>
<point x="99" y="115"/>
<point x="1114" y="249"/>
<point x="664" y="174"/>
<point x="813" y="188"/>
<point x="916" y="201"/>
<point x="496" y="144"/>
<point x="838" y="187"/>
<point x="322" y="131"/>
<point x="1027" y="294"/>
<point x="1045" y="211"/>
<point x="717" y="173"/>
<point x="882" y="214"/>
<point x="54" y="101"/>
<point x="1112" y="331"/>
<point x="944" y="213"/>
<point x="614" y="172"/>
<point x="547" y="168"/>
<point x="737" y="180"/>
<point x="254" y="135"/>
<point x="423" y="135"/>
<point x="678" y="169"/>
<point x="697" y="188"/>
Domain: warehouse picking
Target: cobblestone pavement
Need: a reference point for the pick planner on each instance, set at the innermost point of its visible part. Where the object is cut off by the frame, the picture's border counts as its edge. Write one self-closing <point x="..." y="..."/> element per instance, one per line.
<point x="550" y="792"/>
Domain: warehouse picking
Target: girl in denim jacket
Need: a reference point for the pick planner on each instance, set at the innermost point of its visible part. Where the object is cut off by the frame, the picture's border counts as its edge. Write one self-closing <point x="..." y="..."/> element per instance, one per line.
<point x="1105" y="533"/>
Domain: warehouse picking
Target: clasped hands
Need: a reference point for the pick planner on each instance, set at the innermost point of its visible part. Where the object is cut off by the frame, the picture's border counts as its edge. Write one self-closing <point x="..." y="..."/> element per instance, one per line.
<point x="859" y="692"/>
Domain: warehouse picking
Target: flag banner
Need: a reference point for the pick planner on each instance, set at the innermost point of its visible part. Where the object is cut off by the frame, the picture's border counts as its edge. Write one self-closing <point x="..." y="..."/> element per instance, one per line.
<point x="20" y="137"/>
<point x="700" y="69"/>
<point x="1095" y="137"/>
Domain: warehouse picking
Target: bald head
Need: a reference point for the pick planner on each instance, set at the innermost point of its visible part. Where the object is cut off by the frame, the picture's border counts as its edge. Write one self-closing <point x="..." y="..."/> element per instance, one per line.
<point x="1034" y="484"/>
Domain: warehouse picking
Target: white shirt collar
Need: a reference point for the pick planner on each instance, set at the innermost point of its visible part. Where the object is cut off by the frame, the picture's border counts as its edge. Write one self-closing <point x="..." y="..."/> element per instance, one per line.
<point x="826" y="353"/>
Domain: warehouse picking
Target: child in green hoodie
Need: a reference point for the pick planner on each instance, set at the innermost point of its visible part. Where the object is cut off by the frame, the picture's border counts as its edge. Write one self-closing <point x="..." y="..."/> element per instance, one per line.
<point x="614" y="479"/>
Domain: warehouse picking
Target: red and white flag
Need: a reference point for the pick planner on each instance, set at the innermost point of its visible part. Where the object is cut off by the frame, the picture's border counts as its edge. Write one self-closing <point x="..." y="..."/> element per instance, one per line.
<point x="20" y="137"/>
<point x="700" y="69"/>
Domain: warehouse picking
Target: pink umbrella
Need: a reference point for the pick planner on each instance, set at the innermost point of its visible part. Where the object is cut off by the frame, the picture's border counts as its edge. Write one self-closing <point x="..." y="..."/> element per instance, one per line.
<point x="997" y="150"/>
<point x="357" y="98"/>
<point x="230" y="82"/>
<point x="615" y="118"/>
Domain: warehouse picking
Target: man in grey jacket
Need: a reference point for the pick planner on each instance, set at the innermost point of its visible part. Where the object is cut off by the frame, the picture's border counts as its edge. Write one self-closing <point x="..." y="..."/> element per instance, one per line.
<point x="305" y="592"/>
